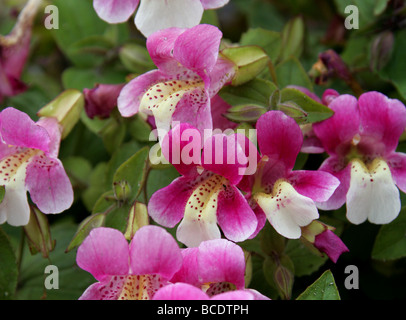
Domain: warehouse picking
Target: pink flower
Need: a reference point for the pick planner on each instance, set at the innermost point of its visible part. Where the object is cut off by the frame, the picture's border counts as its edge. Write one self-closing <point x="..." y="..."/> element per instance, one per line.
<point x="215" y="267"/>
<point x="154" y="15"/>
<point x="125" y="271"/>
<point x="29" y="162"/>
<point x="361" y="140"/>
<point x="189" y="74"/>
<point x="206" y="193"/>
<point x="285" y="197"/>
<point x="101" y="100"/>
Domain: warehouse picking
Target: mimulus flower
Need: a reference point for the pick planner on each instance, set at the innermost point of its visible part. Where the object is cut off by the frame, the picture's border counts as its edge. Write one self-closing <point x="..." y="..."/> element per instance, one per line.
<point x="189" y="74"/>
<point x="206" y="193"/>
<point x="287" y="198"/>
<point x="126" y="271"/>
<point x="154" y="15"/>
<point x="215" y="267"/>
<point x="28" y="153"/>
<point x="361" y="140"/>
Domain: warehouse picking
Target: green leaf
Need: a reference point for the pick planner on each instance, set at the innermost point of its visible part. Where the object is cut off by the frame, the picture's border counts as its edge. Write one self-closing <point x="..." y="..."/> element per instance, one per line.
<point x="255" y="92"/>
<point x="292" y="39"/>
<point x="291" y="72"/>
<point x="269" y="40"/>
<point x="324" y="288"/>
<point x="312" y="111"/>
<point x="390" y="242"/>
<point x="245" y="113"/>
<point x="8" y="270"/>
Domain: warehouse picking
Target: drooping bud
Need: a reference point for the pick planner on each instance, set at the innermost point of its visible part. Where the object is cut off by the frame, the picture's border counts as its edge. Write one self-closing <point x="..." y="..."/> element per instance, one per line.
<point x="101" y="100"/>
<point x="381" y="50"/>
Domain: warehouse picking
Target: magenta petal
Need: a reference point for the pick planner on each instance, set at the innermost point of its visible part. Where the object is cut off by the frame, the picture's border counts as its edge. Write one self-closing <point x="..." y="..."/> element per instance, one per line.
<point x="336" y="133"/>
<point x="382" y="120"/>
<point x="128" y="101"/>
<point x="115" y="11"/>
<point x="218" y="108"/>
<point x="329" y="95"/>
<point x="225" y="155"/>
<point x="154" y="251"/>
<point x="101" y="100"/>
<point x="329" y="243"/>
<point x="234" y="295"/>
<point x="167" y="205"/>
<point x="197" y="49"/>
<point x="160" y="46"/>
<point x="342" y="172"/>
<point x="17" y="128"/>
<point x="187" y="273"/>
<point x="49" y="185"/>
<point x="279" y="137"/>
<point x="397" y="165"/>
<point x="104" y="252"/>
<point x="180" y="291"/>
<point x="234" y="215"/>
<point x="316" y="185"/>
<point x="221" y="260"/>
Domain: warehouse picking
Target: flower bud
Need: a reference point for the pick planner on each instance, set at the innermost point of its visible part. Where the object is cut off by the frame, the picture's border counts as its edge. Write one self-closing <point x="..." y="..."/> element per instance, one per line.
<point x="101" y="100"/>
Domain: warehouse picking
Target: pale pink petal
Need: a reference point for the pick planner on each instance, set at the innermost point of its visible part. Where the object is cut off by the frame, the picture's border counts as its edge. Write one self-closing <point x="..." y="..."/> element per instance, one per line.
<point x="49" y="185"/>
<point x="338" y="168"/>
<point x="279" y="137"/>
<point x="115" y="11"/>
<point x="234" y="295"/>
<point x="128" y="101"/>
<point x="155" y="15"/>
<point x="167" y="205"/>
<point x="54" y="130"/>
<point x="336" y="133"/>
<point x="221" y="261"/>
<point x="213" y="4"/>
<point x="180" y="291"/>
<point x="221" y="75"/>
<point x="372" y="194"/>
<point x="225" y="155"/>
<point x="235" y="217"/>
<point x="316" y="185"/>
<point x="197" y="49"/>
<point x="382" y="120"/>
<point x="329" y="243"/>
<point x="328" y="96"/>
<point x="103" y="253"/>
<point x="154" y="251"/>
<point x="109" y="289"/>
<point x="17" y="128"/>
<point x="397" y="165"/>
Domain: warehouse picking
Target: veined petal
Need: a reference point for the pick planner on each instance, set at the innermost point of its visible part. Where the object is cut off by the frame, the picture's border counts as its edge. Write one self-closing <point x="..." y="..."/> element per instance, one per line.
<point x="180" y="291"/>
<point x="155" y="15"/>
<point x="235" y="217"/>
<point x="17" y="128"/>
<point x="48" y="184"/>
<point x="316" y="185"/>
<point x="383" y="120"/>
<point x="104" y="252"/>
<point x="336" y="133"/>
<point x="153" y="251"/>
<point x="167" y="205"/>
<point x="372" y="194"/>
<point x="115" y="11"/>
<point x="213" y="4"/>
<point x="197" y="49"/>
<point x="128" y="101"/>
<point x="279" y="137"/>
<point x="221" y="260"/>
<point x="287" y="210"/>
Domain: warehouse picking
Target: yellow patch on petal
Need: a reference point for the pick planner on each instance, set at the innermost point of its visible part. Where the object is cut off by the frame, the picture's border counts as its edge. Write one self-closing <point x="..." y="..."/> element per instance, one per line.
<point x="161" y="99"/>
<point x="140" y="287"/>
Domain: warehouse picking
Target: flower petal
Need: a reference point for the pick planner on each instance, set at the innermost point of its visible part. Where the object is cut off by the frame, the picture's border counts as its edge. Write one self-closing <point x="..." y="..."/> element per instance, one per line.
<point x="188" y="272"/>
<point x="336" y="133"/>
<point x="329" y="243"/>
<point x="155" y="15"/>
<point x="180" y="291"/>
<point x="382" y="120"/>
<point x="287" y="210"/>
<point x="104" y="252"/>
<point x="167" y="205"/>
<point x="397" y="165"/>
<point x="15" y="209"/>
<point x="49" y="185"/>
<point x="234" y="295"/>
<point x="54" y="130"/>
<point x="221" y="261"/>
<point x="17" y="128"/>
<point x="115" y="11"/>
<point x="153" y="251"/>
<point x="235" y="217"/>
<point x="316" y="185"/>
<point x="372" y="194"/>
<point x="279" y="137"/>
<point x="213" y="4"/>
